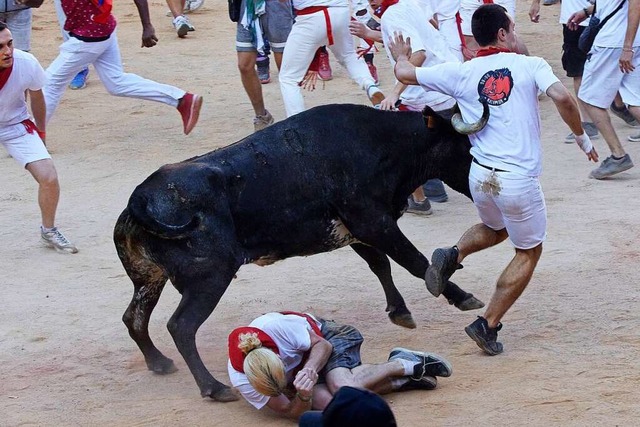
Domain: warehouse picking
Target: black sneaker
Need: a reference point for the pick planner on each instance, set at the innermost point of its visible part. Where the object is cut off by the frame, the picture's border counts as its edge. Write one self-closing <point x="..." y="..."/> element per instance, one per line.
<point x="624" y="114"/>
<point x="444" y="262"/>
<point x="427" y="364"/>
<point x="424" y="383"/>
<point x="484" y="336"/>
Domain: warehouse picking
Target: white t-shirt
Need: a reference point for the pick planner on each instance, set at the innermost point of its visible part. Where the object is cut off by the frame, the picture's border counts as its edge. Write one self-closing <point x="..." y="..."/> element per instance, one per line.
<point x="408" y="18"/>
<point x="569" y="7"/>
<point x="26" y="74"/>
<point x="510" y="82"/>
<point x="302" y="4"/>
<point x="613" y="32"/>
<point x="291" y="335"/>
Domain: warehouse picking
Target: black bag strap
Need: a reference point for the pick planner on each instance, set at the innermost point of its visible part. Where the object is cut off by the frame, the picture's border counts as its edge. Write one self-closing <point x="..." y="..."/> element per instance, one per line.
<point x="604" y="21"/>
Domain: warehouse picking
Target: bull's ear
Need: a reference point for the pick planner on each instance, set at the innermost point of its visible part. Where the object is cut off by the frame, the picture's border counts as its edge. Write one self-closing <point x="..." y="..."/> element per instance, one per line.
<point x="429" y="117"/>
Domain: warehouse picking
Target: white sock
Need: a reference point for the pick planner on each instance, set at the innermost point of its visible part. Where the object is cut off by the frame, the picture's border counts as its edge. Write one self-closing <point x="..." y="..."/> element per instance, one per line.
<point x="46" y="230"/>
<point x="408" y="366"/>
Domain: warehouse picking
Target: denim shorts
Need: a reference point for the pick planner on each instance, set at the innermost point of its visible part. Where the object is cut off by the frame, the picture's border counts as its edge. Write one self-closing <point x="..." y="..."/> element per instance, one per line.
<point x="19" y="23"/>
<point x="346" y="341"/>
<point x="275" y="24"/>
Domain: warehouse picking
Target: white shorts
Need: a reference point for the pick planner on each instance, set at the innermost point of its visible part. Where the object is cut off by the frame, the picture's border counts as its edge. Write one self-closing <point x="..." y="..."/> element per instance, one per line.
<point x="467" y="7"/>
<point x="602" y="78"/>
<point x="23" y="146"/>
<point x="517" y="204"/>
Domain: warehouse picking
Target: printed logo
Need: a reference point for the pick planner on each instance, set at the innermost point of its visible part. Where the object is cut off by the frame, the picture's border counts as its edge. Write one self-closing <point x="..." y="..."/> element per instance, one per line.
<point x="495" y="87"/>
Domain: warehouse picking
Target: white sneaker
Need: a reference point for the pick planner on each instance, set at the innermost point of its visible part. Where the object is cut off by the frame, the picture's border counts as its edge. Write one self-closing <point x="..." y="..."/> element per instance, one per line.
<point x="182" y="25"/>
<point x="56" y="240"/>
<point x="192" y="5"/>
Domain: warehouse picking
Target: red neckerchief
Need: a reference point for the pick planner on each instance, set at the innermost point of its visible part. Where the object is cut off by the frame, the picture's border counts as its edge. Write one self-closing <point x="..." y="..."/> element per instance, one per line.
<point x="104" y="6"/>
<point x="491" y="50"/>
<point x="383" y="7"/>
<point x="4" y="75"/>
<point x="487" y="1"/>
<point x="236" y="356"/>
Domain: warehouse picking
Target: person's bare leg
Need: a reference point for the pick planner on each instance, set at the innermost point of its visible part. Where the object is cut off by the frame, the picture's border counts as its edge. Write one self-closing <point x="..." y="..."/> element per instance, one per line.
<point x="278" y="58"/>
<point x="176" y="7"/>
<point x="321" y="397"/>
<point x="363" y="376"/>
<point x="618" y="101"/>
<point x="601" y="119"/>
<point x="511" y="283"/>
<point x="418" y="195"/>
<point x="250" y="81"/>
<point x="477" y="238"/>
<point x="44" y="172"/>
<point x="584" y="113"/>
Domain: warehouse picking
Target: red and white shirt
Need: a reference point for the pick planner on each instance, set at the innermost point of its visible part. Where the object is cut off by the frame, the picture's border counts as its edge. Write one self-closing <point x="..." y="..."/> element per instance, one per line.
<point x="80" y="19"/>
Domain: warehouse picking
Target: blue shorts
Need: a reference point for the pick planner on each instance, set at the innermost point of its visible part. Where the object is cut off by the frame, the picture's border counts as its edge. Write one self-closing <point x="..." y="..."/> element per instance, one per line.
<point x="346" y="341"/>
<point x="275" y="24"/>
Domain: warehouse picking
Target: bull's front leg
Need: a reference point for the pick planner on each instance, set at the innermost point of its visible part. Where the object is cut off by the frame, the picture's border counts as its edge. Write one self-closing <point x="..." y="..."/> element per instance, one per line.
<point x="384" y="234"/>
<point x="200" y="295"/>
<point x="379" y="265"/>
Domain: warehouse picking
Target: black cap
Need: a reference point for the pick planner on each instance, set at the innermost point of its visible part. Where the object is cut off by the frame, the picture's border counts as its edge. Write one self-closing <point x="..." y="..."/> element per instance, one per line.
<point x="351" y="407"/>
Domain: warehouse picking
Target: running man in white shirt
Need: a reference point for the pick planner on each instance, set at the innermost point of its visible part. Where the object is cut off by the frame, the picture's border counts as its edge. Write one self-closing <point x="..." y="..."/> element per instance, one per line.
<point x="319" y="23"/>
<point x="612" y="67"/>
<point x="20" y="73"/>
<point x="292" y="362"/>
<point x="507" y="155"/>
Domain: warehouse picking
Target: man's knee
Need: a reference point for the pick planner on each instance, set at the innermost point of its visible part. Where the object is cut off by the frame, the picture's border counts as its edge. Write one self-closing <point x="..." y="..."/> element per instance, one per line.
<point x="340" y="377"/>
<point x="247" y="62"/>
<point x="44" y="172"/>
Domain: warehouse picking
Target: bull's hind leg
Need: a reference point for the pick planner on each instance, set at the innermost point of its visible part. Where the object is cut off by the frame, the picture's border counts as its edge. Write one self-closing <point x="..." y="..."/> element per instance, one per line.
<point x="200" y="295"/>
<point x="383" y="233"/>
<point x="148" y="281"/>
<point x="379" y="265"/>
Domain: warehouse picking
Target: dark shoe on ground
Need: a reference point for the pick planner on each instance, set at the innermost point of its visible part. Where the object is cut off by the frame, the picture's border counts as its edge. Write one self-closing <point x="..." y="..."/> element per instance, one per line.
<point x="624" y="114"/>
<point x="189" y="107"/>
<point x="469" y="303"/>
<point x="324" y="68"/>
<point x="419" y="208"/>
<point x="444" y="262"/>
<point x="611" y="166"/>
<point x="434" y="190"/>
<point x="264" y="74"/>
<point x="589" y="128"/>
<point x="427" y="364"/>
<point x="425" y="383"/>
<point x="80" y="80"/>
<point x="484" y="336"/>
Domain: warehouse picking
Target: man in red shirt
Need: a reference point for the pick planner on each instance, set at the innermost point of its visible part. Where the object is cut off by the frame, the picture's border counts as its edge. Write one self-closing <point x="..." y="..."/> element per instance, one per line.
<point x="92" y="40"/>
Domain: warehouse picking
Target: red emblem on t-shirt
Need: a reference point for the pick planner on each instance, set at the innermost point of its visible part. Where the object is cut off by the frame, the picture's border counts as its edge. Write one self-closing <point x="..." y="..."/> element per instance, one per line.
<point x="495" y="86"/>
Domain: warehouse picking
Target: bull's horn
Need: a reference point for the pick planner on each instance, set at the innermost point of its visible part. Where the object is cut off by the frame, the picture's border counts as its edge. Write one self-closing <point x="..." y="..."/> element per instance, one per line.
<point x="468" y="128"/>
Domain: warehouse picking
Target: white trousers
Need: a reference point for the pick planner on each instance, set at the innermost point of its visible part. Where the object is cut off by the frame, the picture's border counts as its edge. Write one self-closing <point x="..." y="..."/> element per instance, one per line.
<point x="308" y="33"/>
<point x="105" y="57"/>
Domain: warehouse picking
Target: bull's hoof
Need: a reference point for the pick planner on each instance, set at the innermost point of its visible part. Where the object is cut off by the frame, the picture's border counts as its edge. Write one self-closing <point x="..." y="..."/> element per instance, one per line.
<point x="470" y="303"/>
<point x="162" y="366"/>
<point x="405" y="320"/>
<point x="225" y="394"/>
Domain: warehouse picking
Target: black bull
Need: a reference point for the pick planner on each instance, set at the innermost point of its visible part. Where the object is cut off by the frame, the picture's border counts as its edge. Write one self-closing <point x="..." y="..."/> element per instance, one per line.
<point x="332" y="176"/>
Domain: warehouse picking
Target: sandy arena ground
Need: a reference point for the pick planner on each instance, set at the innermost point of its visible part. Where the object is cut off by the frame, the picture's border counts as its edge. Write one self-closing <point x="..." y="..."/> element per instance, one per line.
<point x="571" y="340"/>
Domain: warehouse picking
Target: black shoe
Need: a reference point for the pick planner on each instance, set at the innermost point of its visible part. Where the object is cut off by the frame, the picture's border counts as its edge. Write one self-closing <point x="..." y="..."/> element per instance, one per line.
<point x="427" y="364"/>
<point x="444" y="262"/>
<point x="484" y="336"/>
<point x="424" y="383"/>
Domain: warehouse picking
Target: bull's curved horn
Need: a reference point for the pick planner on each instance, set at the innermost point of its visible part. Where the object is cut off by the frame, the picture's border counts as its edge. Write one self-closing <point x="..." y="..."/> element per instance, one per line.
<point x="469" y="128"/>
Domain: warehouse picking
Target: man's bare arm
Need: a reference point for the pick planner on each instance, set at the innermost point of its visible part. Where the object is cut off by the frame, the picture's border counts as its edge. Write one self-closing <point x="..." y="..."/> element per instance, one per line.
<point x="149" y="38"/>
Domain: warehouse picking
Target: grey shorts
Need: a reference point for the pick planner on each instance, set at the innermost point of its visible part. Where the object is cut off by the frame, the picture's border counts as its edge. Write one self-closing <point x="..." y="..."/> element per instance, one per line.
<point x="346" y="341"/>
<point x="19" y="23"/>
<point x="275" y="24"/>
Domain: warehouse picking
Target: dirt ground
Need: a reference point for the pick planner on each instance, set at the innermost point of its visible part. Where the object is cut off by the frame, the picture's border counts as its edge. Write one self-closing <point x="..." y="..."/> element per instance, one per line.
<point x="571" y="340"/>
